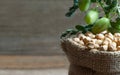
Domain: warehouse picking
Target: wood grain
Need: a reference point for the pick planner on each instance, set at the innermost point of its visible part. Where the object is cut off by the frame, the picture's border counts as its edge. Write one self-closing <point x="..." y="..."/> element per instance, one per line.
<point x="33" y="62"/>
<point x="33" y="27"/>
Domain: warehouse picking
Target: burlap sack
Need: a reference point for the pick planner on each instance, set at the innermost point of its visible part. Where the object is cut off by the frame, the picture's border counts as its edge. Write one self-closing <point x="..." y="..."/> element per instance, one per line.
<point x="78" y="70"/>
<point x="98" y="61"/>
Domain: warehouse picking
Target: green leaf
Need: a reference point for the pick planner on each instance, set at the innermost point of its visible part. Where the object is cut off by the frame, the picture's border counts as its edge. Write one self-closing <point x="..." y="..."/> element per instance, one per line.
<point x="118" y="11"/>
<point x="114" y="3"/>
<point x="76" y="2"/>
<point x="114" y="30"/>
<point x="69" y="30"/>
<point x="73" y="32"/>
<point x="93" y="1"/>
<point x="84" y="31"/>
<point x="71" y="11"/>
<point x="63" y="34"/>
<point x="118" y="19"/>
<point x="116" y="24"/>
<point x="99" y="0"/>
<point x="108" y="2"/>
<point x="79" y="27"/>
<point x="89" y="26"/>
<point x="107" y="9"/>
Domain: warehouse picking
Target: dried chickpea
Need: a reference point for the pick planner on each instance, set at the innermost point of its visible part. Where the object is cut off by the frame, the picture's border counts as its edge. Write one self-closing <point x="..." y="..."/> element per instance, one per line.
<point x="118" y="48"/>
<point x="87" y="40"/>
<point x="89" y="34"/>
<point x="104" y="47"/>
<point x="117" y="34"/>
<point x="100" y="36"/>
<point x="112" y="46"/>
<point x="102" y="41"/>
<point x="76" y="39"/>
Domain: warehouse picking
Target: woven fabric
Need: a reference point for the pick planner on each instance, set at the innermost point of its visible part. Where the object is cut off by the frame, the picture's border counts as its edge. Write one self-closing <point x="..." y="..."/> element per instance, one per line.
<point x="98" y="61"/>
<point x="78" y="70"/>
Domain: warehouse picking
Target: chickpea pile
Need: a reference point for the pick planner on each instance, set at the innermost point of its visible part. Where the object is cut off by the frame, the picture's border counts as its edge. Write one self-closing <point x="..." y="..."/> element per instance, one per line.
<point x="104" y="41"/>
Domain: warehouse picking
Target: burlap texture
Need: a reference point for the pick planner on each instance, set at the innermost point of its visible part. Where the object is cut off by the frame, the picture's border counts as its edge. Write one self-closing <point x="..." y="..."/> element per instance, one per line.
<point x="78" y="70"/>
<point x="98" y="61"/>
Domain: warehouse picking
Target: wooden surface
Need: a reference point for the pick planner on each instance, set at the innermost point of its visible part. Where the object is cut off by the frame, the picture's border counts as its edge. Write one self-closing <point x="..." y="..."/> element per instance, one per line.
<point x="33" y="27"/>
<point x="60" y="71"/>
<point x="33" y="62"/>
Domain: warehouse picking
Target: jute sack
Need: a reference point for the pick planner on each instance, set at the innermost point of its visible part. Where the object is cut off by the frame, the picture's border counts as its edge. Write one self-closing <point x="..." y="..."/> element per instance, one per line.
<point x="100" y="62"/>
<point x="78" y="70"/>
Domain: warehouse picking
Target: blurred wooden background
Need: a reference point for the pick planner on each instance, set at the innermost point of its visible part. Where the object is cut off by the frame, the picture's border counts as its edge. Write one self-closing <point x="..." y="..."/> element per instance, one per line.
<point x="33" y="27"/>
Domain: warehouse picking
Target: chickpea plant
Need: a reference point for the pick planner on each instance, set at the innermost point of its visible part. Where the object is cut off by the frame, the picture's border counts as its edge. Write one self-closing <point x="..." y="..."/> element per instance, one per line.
<point x="95" y="23"/>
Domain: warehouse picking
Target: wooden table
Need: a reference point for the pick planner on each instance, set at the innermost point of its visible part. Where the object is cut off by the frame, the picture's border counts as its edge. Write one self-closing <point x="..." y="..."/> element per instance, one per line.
<point x="32" y="62"/>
